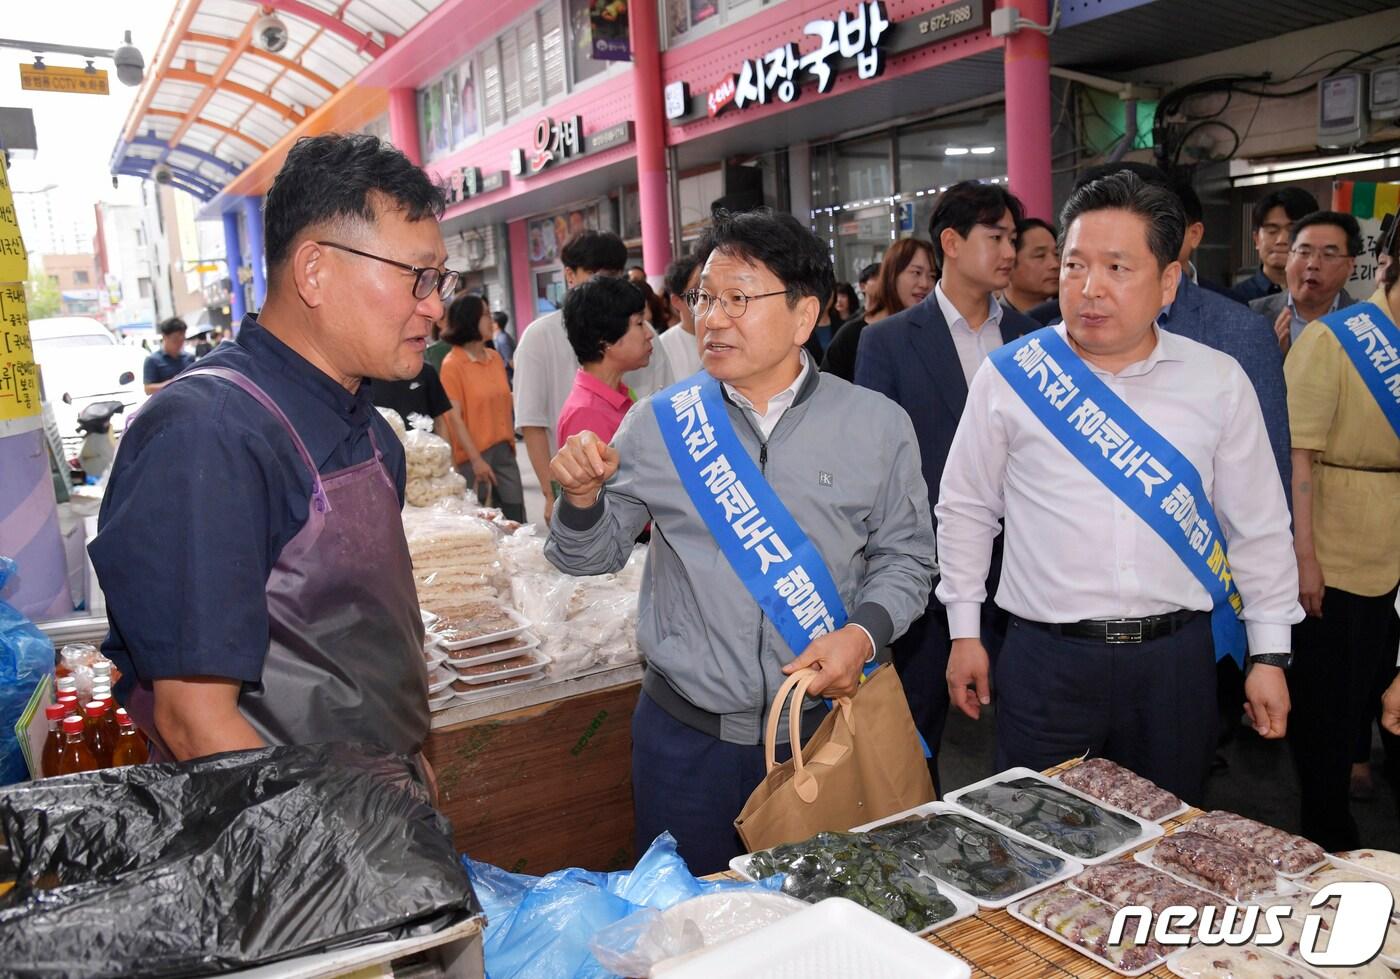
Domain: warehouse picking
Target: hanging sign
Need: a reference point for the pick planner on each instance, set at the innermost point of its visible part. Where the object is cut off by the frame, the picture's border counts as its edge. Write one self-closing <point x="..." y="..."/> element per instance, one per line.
<point x="46" y="78"/>
<point x="608" y="21"/>
<point x="14" y="260"/>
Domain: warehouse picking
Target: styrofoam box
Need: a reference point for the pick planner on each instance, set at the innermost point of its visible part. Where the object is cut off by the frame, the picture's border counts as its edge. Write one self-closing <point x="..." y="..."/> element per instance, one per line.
<point x="835" y="939"/>
<point x="1147" y="830"/>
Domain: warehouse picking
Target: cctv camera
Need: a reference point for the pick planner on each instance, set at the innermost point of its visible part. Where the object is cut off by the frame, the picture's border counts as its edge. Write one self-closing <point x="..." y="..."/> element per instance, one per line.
<point x="162" y="174"/>
<point x="130" y="65"/>
<point x="270" y="33"/>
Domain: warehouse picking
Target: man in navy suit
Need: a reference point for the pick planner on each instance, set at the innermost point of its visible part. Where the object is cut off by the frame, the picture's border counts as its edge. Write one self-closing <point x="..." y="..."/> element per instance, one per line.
<point x="924" y="359"/>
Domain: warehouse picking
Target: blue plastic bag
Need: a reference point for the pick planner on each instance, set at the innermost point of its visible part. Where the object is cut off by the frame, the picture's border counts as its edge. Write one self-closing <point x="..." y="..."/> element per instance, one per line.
<point x="540" y="927"/>
<point x="26" y="656"/>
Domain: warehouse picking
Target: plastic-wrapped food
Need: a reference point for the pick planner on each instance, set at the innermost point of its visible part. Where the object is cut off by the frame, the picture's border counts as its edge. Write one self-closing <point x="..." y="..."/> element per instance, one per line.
<point x="79" y="658"/>
<point x="455" y="560"/>
<point x="1086" y="921"/>
<point x="423" y="491"/>
<point x="1125" y="882"/>
<point x="1214" y="864"/>
<point x="971" y="856"/>
<point x="26" y="658"/>
<point x="1053" y="816"/>
<point x="1116" y="785"/>
<point x="857" y="867"/>
<point x="1302" y="907"/>
<point x="1378" y="861"/>
<point x="425" y="454"/>
<point x="1319" y="879"/>
<point x="395" y="421"/>
<point x="1224" y="962"/>
<point x="1286" y="853"/>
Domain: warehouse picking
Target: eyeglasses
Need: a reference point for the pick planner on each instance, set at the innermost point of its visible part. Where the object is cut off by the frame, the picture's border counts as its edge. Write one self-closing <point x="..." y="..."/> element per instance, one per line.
<point x="1329" y="255"/>
<point x="425" y="280"/>
<point x="732" y="301"/>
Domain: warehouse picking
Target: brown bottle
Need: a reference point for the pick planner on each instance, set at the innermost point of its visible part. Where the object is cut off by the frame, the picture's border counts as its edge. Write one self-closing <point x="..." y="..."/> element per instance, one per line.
<point x="75" y="755"/>
<point x="109" y="714"/>
<point x="54" y="714"/>
<point x="98" y="740"/>
<point x="130" y="747"/>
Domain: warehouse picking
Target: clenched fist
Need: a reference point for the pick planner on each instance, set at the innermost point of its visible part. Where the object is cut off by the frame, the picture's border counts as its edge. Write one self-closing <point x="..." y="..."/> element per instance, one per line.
<point x="581" y="467"/>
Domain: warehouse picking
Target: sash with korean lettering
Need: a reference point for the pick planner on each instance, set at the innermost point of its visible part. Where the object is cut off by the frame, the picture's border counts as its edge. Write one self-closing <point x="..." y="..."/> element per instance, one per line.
<point x="773" y="557"/>
<point x="1372" y="342"/>
<point x="1133" y="461"/>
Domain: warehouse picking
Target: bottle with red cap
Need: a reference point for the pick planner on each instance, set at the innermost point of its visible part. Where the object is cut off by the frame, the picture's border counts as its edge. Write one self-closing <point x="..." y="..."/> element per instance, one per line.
<point x="98" y="741"/>
<point x="74" y="755"/>
<point x="54" y="714"/>
<point x="103" y="695"/>
<point x="130" y="747"/>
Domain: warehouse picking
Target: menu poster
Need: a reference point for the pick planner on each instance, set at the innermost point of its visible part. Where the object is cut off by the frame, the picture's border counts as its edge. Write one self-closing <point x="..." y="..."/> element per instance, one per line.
<point x="14" y="260"/>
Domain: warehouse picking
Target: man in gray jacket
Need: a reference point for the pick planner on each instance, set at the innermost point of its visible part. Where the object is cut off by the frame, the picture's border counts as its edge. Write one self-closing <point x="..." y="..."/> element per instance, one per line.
<point x="842" y="461"/>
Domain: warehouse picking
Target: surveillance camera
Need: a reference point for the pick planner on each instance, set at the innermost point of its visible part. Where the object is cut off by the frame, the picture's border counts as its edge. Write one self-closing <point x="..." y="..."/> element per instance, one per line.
<point x="270" y="33"/>
<point x="130" y="65"/>
<point x="162" y="174"/>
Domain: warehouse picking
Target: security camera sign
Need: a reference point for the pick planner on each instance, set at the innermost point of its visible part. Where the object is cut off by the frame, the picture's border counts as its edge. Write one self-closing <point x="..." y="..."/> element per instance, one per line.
<point x="46" y="78"/>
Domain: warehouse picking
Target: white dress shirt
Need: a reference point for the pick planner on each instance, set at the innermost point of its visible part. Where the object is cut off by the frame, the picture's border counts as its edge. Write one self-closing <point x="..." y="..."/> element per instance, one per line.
<point x="777" y="405"/>
<point x="1297" y="324"/>
<point x="682" y="349"/>
<point x="973" y="346"/>
<point x="545" y="367"/>
<point x="1073" y="550"/>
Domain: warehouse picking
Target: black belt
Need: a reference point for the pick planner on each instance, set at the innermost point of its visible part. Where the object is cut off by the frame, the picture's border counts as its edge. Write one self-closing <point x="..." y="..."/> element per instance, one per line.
<point x="1359" y="469"/>
<point x="1119" y="632"/>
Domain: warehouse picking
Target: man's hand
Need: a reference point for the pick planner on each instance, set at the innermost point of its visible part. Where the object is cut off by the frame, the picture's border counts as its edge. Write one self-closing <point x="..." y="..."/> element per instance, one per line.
<point x="548" y="507"/>
<point x="1266" y="700"/>
<point x="1283" y="328"/>
<point x="482" y="471"/>
<point x="1311" y="585"/>
<point x="969" y="688"/>
<point x="1390" y="707"/>
<point x="581" y="467"/>
<point x="838" y="657"/>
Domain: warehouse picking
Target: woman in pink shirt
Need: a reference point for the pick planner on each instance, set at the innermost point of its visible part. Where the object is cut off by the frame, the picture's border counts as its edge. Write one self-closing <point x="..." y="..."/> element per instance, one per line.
<point x="604" y="320"/>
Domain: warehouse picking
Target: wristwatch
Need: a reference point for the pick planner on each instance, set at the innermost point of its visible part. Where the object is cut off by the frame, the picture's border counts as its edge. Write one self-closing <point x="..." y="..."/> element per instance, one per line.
<point x="1281" y="660"/>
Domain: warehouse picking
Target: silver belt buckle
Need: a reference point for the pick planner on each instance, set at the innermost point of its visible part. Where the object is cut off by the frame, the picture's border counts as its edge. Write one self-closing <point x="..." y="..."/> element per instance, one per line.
<point x="1122" y="632"/>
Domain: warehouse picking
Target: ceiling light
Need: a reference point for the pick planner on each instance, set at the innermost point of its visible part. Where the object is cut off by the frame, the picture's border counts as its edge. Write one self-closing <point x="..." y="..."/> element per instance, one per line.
<point x="955" y="151"/>
<point x="983" y="150"/>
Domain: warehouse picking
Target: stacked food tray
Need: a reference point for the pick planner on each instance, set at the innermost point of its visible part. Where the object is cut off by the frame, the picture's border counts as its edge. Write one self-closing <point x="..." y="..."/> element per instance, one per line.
<point x="476" y="659"/>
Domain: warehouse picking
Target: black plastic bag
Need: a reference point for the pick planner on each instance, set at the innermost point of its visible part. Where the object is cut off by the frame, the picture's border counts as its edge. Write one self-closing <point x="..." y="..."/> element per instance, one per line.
<point x="223" y="863"/>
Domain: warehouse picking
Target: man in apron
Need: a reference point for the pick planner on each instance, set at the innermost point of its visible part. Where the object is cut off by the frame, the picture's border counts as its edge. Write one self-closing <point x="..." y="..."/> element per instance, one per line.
<point x="258" y="583"/>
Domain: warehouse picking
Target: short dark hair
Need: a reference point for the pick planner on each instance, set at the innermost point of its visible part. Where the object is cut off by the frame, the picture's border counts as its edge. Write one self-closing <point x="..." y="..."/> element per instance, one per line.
<point x="332" y="177"/>
<point x="849" y="291"/>
<point x="782" y="244"/>
<point x="679" y="272"/>
<point x="464" y="320"/>
<point x="1155" y="176"/>
<point x="1335" y="219"/>
<point x="1126" y="191"/>
<point x="598" y="312"/>
<point x="502" y="318"/>
<point x="1190" y="201"/>
<point x="172" y="325"/>
<point x="1026" y="224"/>
<point x="1295" y="201"/>
<point x="868" y="273"/>
<point x="594" y="251"/>
<point x="966" y="205"/>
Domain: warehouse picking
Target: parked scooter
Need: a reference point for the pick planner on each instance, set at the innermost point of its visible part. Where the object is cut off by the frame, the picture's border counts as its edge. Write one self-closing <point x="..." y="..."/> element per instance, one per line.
<point x="99" y="447"/>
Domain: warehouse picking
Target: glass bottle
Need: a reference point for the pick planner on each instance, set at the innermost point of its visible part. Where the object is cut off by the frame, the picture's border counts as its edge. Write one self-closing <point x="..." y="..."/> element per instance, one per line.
<point x="75" y="755"/>
<point x="130" y="747"/>
<point x="53" y="744"/>
<point x="95" y="712"/>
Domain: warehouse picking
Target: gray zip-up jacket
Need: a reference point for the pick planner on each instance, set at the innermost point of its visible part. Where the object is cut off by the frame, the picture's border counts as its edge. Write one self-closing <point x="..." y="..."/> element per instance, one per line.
<point x="844" y="461"/>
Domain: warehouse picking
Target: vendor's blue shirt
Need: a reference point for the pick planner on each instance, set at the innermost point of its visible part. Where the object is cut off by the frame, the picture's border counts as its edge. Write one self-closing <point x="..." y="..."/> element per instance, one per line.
<point x="206" y="490"/>
<point x="161" y="367"/>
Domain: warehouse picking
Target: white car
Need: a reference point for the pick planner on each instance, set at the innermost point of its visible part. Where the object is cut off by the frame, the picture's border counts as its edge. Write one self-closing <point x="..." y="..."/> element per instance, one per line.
<point x="80" y="362"/>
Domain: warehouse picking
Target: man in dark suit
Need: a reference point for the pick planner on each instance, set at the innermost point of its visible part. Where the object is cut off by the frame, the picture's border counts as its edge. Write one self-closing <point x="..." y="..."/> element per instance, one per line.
<point x="924" y="358"/>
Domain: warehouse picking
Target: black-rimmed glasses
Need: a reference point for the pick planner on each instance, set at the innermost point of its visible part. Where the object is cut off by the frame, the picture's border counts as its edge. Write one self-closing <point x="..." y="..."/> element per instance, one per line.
<point x="426" y="279"/>
<point x="732" y="301"/>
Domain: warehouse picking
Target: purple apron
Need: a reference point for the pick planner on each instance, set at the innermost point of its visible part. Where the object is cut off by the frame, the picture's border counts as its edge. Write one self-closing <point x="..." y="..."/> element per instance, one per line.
<point x="345" y="651"/>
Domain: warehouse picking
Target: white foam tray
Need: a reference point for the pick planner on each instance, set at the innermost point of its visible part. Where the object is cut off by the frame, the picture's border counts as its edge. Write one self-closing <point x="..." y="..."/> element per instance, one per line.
<point x="527" y="640"/>
<point x="1180" y="810"/>
<point x="521" y="624"/>
<point x="834" y="939"/>
<point x="539" y="662"/>
<point x="1174" y="963"/>
<point x="1147" y="830"/>
<point x="740" y="864"/>
<point x="1025" y="920"/>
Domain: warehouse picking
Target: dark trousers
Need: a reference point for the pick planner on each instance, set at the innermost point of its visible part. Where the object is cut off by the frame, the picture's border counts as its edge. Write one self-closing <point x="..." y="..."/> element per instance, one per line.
<point x="920" y="658"/>
<point x="1342" y="664"/>
<point x="693" y="785"/>
<point x="1147" y="706"/>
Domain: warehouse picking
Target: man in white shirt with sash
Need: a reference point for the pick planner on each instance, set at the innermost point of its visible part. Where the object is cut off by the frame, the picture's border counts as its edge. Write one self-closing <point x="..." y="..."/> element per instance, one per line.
<point x="790" y="528"/>
<point x="1143" y="510"/>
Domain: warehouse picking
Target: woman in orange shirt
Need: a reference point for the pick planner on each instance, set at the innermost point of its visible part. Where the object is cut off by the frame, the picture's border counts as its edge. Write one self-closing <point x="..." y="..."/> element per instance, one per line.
<point x="474" y="377"/>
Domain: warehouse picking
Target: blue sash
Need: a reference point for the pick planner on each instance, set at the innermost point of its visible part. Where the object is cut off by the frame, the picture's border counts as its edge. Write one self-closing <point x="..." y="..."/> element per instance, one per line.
<point x="778" y="564"/>
<point x="1132" y="460"/>
<point x="1372" y="342"/>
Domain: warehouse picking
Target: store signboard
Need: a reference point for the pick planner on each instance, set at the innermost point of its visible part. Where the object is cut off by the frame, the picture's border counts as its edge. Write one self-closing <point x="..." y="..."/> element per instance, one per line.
<point x="862" y="37"/>
<point x="677" y="100"/>
<point x="606" y="139"/>
<point x="555" y="142"/>
<point x="46" y="78"/>
<point x="469" y="182"/>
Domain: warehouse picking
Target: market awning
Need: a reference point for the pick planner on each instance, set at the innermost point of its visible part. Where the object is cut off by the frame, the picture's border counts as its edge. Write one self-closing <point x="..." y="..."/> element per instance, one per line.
<point x="215" y="99"/>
